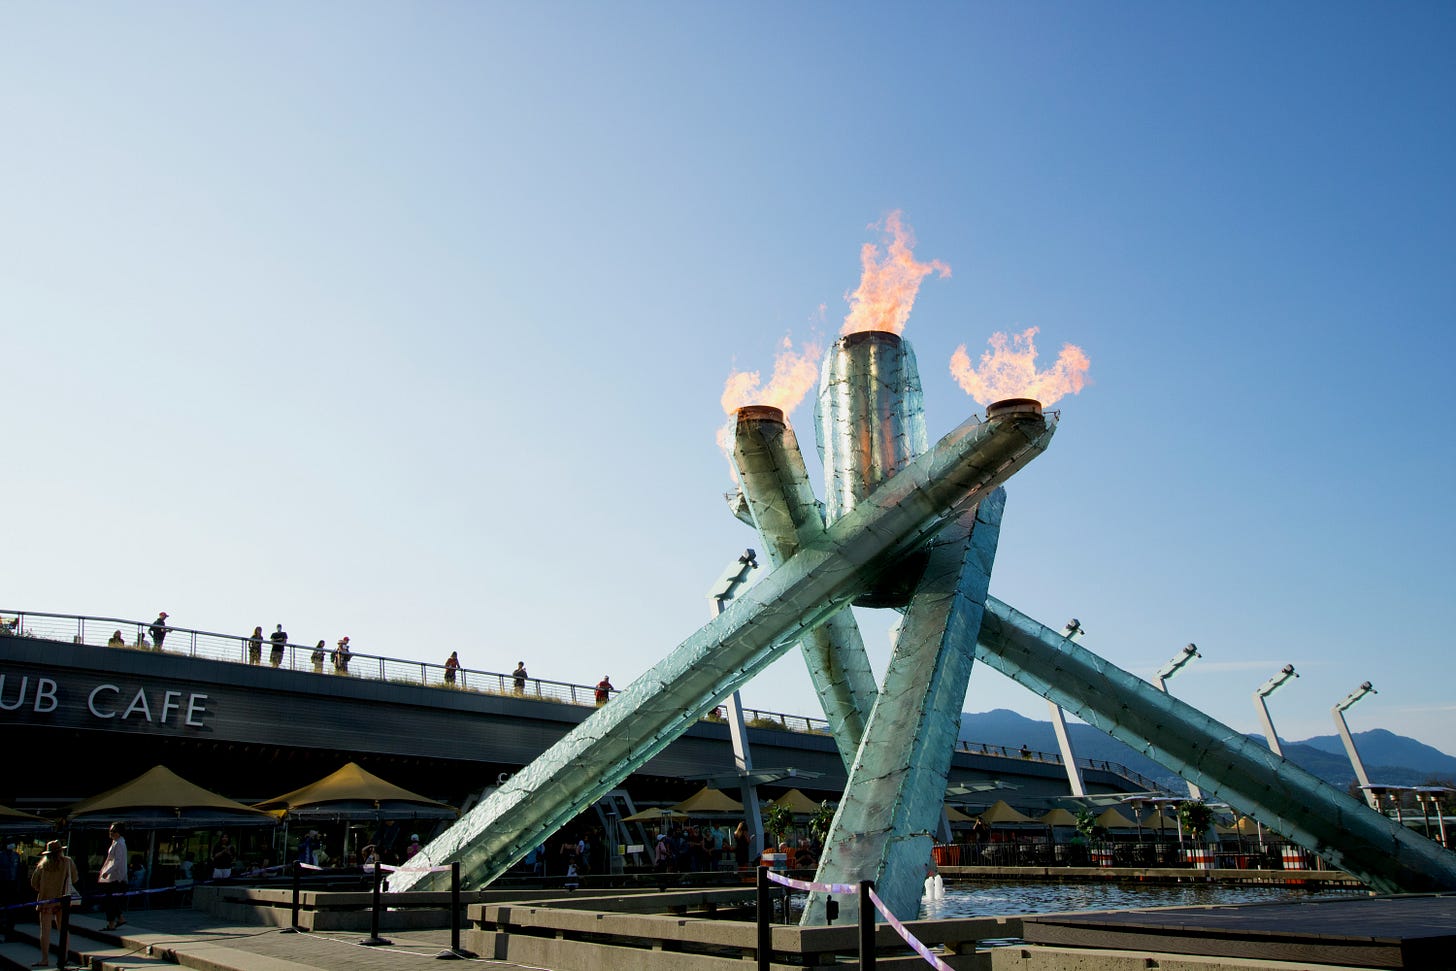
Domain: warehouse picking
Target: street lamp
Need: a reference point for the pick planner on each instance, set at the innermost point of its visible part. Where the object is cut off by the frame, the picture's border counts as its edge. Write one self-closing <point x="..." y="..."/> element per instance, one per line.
<point x="736" y="576"/>
<point x="1075" y="782"/>
<point x="1339" y="715"/>
<point x="1264" y="691"/>
<point x="1180" y="660"/>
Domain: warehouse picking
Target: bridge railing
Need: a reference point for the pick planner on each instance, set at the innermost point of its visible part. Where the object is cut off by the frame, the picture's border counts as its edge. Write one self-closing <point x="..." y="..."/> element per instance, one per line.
<point x="137" y="635"/>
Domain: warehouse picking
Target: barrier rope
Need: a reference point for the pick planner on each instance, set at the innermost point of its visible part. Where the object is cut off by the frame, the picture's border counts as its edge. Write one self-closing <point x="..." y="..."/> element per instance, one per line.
<point x="809" y="885"/>
<point x="908" y="937"/>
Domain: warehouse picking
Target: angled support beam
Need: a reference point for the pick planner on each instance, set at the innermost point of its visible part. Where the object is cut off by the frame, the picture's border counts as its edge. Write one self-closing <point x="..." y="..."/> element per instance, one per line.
<point x="1222" y="762"/>
<point x="895" y="796"/>
<point x="783" y="509"/>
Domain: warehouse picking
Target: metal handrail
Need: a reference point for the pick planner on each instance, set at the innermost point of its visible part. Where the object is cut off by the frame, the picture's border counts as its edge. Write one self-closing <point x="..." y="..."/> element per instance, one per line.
<point x="96" y="631"/>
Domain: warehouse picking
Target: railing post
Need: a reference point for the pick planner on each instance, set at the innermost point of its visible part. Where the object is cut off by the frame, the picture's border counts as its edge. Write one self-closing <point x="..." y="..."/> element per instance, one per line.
<point x="63" y="958"/>
<point x="456" y="952"/>
<point x="764" y="917"/>
<point x="866" y="926"/>
<point x="374" y="940"/>
<point x="293" y="926"/>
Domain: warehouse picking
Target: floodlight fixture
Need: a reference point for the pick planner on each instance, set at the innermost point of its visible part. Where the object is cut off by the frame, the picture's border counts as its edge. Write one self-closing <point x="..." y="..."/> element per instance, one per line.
<point x="1354" y="696"/>
<point x="1073" y="629"/>
<point x="1275" y="683"/>
<point x="1180" y="661"/>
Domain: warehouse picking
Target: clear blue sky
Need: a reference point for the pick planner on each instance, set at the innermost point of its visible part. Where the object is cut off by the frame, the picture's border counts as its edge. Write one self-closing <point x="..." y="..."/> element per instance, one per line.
<point x="410" y="321"/>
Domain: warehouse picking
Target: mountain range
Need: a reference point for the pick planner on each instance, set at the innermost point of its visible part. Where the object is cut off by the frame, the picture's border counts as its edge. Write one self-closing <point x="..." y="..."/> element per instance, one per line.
<point x="1389" y="758"/>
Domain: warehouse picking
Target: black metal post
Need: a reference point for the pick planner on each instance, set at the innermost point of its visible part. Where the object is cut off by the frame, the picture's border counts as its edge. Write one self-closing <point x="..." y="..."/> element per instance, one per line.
<point x="64" y="958"/>
<point x="374" y="940"/>
<point x="293" y="926"/>
<point x="456" y="952"/>
<point x="866" y="926"/>
<point x="764" y="916"/>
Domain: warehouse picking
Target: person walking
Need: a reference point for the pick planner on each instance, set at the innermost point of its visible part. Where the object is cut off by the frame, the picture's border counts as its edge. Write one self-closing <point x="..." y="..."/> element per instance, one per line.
<point x="604" y="690"/>
<point x="111" y="881"/>
<point x="54" y="876"/>
<point x="317" y="657"/>
<point x="159" y="631"/>
<point x="280" y="640"/>
<point x="519" y="676"/>
<point x="255" y="646"/>
<point x="452" y="664"/>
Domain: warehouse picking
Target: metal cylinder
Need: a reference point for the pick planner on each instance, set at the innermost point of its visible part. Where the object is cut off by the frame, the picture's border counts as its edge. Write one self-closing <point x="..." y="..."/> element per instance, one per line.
<point x="870" y="416"/>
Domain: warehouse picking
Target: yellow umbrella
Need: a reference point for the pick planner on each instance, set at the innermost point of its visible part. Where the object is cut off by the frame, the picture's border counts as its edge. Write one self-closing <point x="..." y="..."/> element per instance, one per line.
<point x="708" y="800"/>
<point x="1001" y="812"/>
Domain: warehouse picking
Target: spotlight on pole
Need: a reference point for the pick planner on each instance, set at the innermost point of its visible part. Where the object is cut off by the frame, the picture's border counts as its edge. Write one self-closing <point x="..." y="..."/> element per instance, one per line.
<point x="1180" y="660"/>
<point x="1073" y="629"/>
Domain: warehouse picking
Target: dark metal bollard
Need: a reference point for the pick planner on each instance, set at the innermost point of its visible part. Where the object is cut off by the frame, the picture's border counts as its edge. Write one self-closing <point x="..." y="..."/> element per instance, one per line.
<point x="374" y="940"/>
<point x="293" y="926"/>
<point x="456" y="952"/>
<point x="866" y="926"/>
<point x="765" y="918"/>
<point x="63" y="959"/>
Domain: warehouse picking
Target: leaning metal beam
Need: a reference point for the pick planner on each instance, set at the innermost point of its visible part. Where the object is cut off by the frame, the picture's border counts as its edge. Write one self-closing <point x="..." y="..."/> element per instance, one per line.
<point x="1222" y="762"/>
<point x="896" y="790"/>
<point x="775" y="483"/>
<point x="902" y="515"/>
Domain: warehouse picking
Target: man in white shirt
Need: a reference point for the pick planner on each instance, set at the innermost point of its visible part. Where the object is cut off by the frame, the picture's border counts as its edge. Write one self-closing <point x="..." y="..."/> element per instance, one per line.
<point x="111" y="881"/>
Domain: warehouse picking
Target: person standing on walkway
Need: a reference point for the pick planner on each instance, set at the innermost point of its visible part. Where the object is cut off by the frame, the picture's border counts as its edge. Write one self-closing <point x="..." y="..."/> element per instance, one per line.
<point x="111" y="881"/>
<point x="280" y="640"/>
<point x="604" y="690"/>
<point x="519" y="675"/>
<point x="159" y="631"/>
<point x="222" y="858"/>
<point x="341" y="655"/>
<point x="255" y="646"/>
<point x="317" y="657"/>
<point x="54" y="876"/>
<point x="452" y="664"/>
<point x="116" y="640"/>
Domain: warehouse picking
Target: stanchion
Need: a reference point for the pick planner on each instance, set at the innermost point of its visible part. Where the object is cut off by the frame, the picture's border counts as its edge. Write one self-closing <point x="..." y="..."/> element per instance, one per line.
<point x="374" y="940"/>
<point x="765" y="917"/>
<point x="866" y="926"/>
<point x="456" y="952"/>
<point x="293" y="925"/>
<point x="63" y="960"/>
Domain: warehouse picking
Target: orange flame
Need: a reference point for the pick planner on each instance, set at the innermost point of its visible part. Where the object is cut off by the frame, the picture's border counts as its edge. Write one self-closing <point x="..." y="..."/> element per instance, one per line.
<point x="794" y="373"/>
<point x="887" y="287"/>
<point x="1011" y="372"/>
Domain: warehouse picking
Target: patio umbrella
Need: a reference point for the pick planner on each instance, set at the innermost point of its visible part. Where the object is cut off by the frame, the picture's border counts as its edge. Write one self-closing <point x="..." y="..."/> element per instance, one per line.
<point x="1000" y="811"/>
<point x="798" y="803"/>
<point x="1112" y="819"/>
<point x="161" y="799"/>
<point x="15" y="821"/>
<point x="709" y="802"/>
<point x="655" y="815"/>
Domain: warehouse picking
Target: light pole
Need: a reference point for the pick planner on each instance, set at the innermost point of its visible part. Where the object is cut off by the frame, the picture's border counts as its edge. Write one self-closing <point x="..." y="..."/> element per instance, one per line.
<point x="738" y="574"/>
<point x="1165" y="673"/>
<point x="1264" y="691"/>
<point x="1072" y="630"/>
<point x="1339" y="715"/>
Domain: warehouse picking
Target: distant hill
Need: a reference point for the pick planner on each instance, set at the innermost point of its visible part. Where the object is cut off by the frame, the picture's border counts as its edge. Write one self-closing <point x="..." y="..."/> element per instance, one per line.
<point x="1389" y="758"/>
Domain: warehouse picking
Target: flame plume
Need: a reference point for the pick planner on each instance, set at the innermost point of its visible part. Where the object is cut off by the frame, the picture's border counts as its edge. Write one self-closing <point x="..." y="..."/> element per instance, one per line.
<point x="794" y="373"/>
<point x="887" y="287"/>
<point x="1010" y="372"/>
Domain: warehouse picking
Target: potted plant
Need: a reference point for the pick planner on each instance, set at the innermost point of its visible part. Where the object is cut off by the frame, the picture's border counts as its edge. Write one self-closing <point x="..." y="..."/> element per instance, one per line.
<point x="1195" y="816"/>
<point x="777" y="821"/>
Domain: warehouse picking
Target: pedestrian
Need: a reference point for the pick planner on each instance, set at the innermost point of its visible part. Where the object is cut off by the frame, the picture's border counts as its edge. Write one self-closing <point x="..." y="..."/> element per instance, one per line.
<point x="741" y="844"/>
<point x="341" y="655"/>
<point x="9" y="886"/>
<point x="306" y="848"/>
<point x="111" y="881"/>
<point x="414" y="846"/>
<point x="452" y="664"/>
<point x="54" y="876"/>
<point x="519" y="675"/>
<point x="159" y="630"/>
<point x="604" y="690"/>
<point x="317" y="657"/>
<point x="255" y="646"/>
<point x="116" y="640"/>
<point x="222" y="859"/>
<point x="280" y="640"/>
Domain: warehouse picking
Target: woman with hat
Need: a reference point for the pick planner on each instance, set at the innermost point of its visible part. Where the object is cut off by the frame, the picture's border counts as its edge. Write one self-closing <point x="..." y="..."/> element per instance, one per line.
<point x="53" y="878"/>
